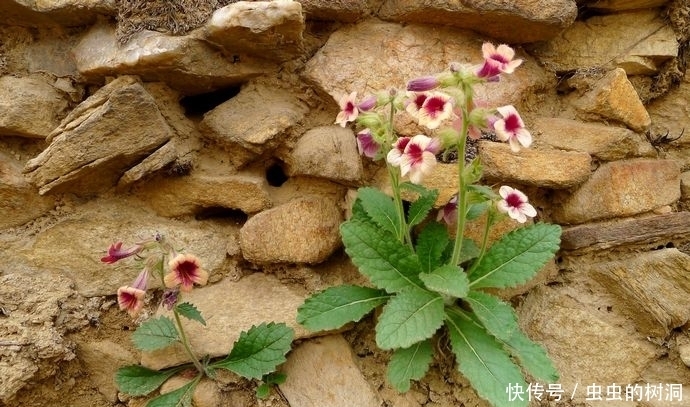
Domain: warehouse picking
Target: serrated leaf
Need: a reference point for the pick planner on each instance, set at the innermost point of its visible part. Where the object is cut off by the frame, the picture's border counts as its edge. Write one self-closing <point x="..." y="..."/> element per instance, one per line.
<point x="469" y="250"/>
<point x="420" y="208"/>
<point x="155" y="333"/>
<point x="358" y="211"/>
<point x="137" y="380"/>
<point x="258" y="351"/>
<point x="409" y="364"/>
<point x="181" y="397"/>
<point x="389" y="264"/>
<point x="517" y="256"/>
<point x="336" y="306"/>
<point x="483" y="361"/>
<point x="448" y="280"/>
<point x="381" y="208"/>
<point x="431" y="243"/>
<point x="498" y="317"/>
<point x="189" y="311"/>
<point x="475" y="210"/>
<point x="532" y="357"/>
<point x="410" y="316"/>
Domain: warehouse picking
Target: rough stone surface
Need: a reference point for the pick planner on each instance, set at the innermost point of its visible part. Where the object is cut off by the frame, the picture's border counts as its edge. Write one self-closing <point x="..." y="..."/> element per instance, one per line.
<point x="621" y="5"/>
<point x="622" y="188"/>
<point x="229" y="308"/>
<point x="52" y="12"/>
<point x="30" y="107"/>
<point x="671" y="114"/>
<point x="322" y="372"/>
<point x="102" y="359"/>
<point x="19" y="200"/>
<point x="546" y="168"/>
<point x="206" y="393"/>
<point x="516" y="22"/>
<point x="638" y="42"/>
<point x="685" y="186"/>
<point x="346" y="11"/>
<point x="328" y="152"/>
<point x="605" y="143"/>
<point x="304" y="230"/>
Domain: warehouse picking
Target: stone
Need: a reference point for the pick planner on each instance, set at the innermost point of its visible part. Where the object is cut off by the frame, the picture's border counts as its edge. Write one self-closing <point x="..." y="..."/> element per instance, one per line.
<point x="638" y="42"/>
<point x="603" y="142"/>
<point x="328" y="152"/>
<point x="19" y="200"/>
<point x="206" y="393"/>
<point x="685" y="186"/>
<point x="264" y="29"/>
<point x="187" y="64"/>
<point x="323" y="372"/>
<point x="514" y="22"/>
<point x="107" y="132"/>
<point x="622" y="5"/>
<point x="614" y="98"/>
<point x="670" y="114"/>
<point x="622" y="188"/>
<point x="653" y="288"/>
<point x="102" y="359"/>
<point x="304" y="230"/>
<point x="231" y="307"/>
<point x="36" y="13"/>
<point x="345" y="11"/>
<point x="30" y="107"/>
<point x="684" y="351"/>
<point x="543" y="168"/>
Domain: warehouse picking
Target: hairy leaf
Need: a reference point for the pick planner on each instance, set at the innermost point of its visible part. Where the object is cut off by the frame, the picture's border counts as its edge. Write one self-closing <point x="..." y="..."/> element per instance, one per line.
<point x="381" y="208"/>
<point x="448" y="280"/>
<point x="469" y="250"/>
<point x="497" y="317"/>
<point x="189" y="311"/>
<point x="409" y="364"/>
<point x="431" y="243"/>
<point x="411" y="316"/>
<point x="336" y="306"/>
<point x="137" y="380"/>
<point x="532" y="357"/>
<point x="181" y="397"/>
<point x="155" y="333"/>
<point x="420" y="208"/>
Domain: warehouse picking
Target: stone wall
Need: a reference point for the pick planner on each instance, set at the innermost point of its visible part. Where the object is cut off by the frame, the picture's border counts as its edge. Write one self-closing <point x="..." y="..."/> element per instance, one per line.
<point x="222" y="137"/>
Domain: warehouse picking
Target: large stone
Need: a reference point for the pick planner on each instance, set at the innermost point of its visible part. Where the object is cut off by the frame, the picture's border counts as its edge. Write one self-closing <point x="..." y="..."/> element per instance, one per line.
<point x="19" y="200"/>
<point x="229" y="308"/>
<point x="638" y="42"/>
<point x="345" y="11"/>
<point x="513" y="22"/>
<point x="102" y="359"/>
<point x="327" y="152"/>
<point x="670" y="114"/>
<point x="323" y="372"/>
<point x="685" y="186"/>
<point x="304" y="230"/>
<point x="621" y="5"/>
<point x="30" y="106"/>
<point x="544" y="168"/>
<point x="622" y="188"/>
<point x="52" y="12"/>
<point x="605" y="143"/>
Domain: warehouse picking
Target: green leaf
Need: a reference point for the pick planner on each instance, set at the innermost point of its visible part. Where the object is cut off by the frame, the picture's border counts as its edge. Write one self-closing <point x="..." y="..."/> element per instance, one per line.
<point x="448" y="280"/>
<point x="137" y="380"/>
<point x="420" y="208"/>
<point x="483" y="361"/>
<point x="181" y="397"/>
<point x="189" y="311"/>
<point x="155" y="333"/>
<point x="358" y="211"/>
<point x="336" y="306"/>
<point x="476" y="210"/>
<point x="381" y="208"/>
<point x="517" y="256"/>
<point x="411" y="316"/>
<point x="431" y="243"/>
<point x="389" y="264"/>
<point x="263" y="391"/>
<point x="497" y="317"/>
<point x="469" y="250"/>
<point x="258" y="351"/>
<point x="409" y="364"/>
<point x="532" y="357"/>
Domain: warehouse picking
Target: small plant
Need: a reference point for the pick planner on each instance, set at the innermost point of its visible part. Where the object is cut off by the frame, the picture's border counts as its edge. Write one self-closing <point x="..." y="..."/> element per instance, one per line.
<point x="255" y="355"/>
<point x="424" y="278"/>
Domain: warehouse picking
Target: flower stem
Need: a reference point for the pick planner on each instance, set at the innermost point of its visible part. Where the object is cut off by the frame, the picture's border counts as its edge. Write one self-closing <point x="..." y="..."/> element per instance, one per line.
<point x="485" y="241"/>
<point x="185" y="343"/>
<point x="462" y="195"/>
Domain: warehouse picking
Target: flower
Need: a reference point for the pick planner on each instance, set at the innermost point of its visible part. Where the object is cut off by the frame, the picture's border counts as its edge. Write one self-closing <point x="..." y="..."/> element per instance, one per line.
<point x="497" y="60"/>
<point x="515" y="204"/>
<point x="366" y="144"/>
<point x="131" y="298"/>
<point x="414" y="102"/>
<point x="395" y="155"/>
<point x="511" y="128"/>
<point x="170" y="296"/>
<point x="436" y="108"/>
<point x="423" y="84"/>
<point x="449" y="211"/>
<point x="115" y="252"/>
<point x="367" y="103"/>
<point x="348" y="109"/>
<point x="185" y="271"/>
<point x="419" y="157"/>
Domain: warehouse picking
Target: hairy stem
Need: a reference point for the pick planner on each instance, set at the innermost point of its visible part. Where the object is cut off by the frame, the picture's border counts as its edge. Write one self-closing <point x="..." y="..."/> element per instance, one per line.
<point x="185" y="343"/>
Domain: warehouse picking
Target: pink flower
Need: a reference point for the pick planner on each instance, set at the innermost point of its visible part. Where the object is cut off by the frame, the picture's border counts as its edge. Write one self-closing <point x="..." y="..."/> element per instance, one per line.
<point x="515" y="204"/>
<point x="497" y="60"/>
<point x="131" y="298"/>
<point x="449" y="211"/>
<point x="185" y="271"/>
<point x="419" y="157"/>
<point x="414" y="103"/>
<point x="367" y="103"/>
<point x="436" y="108"/>
<point x="366" y="144"/>
<point x="511" y="128"/>
<point x="423" y="84"/>
<point x="115" y="252"/>
<point x="348" y="109"/>
<point x="394" y="156"/>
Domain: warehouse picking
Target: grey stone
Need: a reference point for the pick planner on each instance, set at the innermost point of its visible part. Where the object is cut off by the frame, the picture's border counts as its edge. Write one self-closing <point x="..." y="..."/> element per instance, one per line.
<point x="329" y="152"/>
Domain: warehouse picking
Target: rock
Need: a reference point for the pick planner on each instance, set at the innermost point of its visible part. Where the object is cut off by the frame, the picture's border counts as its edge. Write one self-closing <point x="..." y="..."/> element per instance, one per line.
<point x="322" y="372"/>
<point x="19" y="200"/>
<point x="206" y="393"/>
<point x="622" y="5"/>
<point x="51" y="12"/>
<point x="515" y="22"/>
<point x="543" y="168"/>
<point x="264" y="29"/>
<point x="229" y="308"/>
<point x="102" y="359"/>
<point x="605" y="143"/>
<point x="613" y="98"/>
<point x="328" y="152"/>
<point x="30" y="106"/>
<point x="622" y="188"/>
<point x="304" y="230"/>
<point x="685" y="186"/>
<point x="185" y="63"/>
<point x="684" y="351"/>
<point x="652" y="288"/>
<point x="670" y="114"/>
<point x="347" y="11"/>
<point x="638" y="42"/>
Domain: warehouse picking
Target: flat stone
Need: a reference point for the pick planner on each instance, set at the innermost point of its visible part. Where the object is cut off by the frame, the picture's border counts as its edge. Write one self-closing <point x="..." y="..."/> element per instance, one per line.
<point x="514" y="22"/>
<point x="638" y="42"/>
<point x="30" y="107"/>
<point x="19" y="200"/>
<point x="36" y="13"/>
<point x="605" y="143"/>
<point x="323" y="372"/>
<point x="229" y="308"/>
<point x="102" y="359"/>
<point x="622" y="188"/>
<point x="622" y="5"/>
<point x="670" y="114"/>
<point x="304" y="230"/>
<point x="328" y="152"/>
<point x="345" y="11"/>
<point x="685" y="186"/>
<point x="544" y="168"/>
<point x="684" y="351"/>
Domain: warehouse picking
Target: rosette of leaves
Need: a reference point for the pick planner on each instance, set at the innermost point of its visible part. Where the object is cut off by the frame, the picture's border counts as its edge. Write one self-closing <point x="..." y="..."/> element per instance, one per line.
<point x="421" y="292"/>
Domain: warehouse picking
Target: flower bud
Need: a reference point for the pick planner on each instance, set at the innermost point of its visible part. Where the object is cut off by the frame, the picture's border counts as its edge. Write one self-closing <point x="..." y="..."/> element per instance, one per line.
<point x="423" y="84"/>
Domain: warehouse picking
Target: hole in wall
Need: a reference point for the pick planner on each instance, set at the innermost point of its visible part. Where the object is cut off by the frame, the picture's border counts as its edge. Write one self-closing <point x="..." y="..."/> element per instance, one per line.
<point x="275" y="175"/>
<point x="219" y="212"/>
<point x="197" y="105"/>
